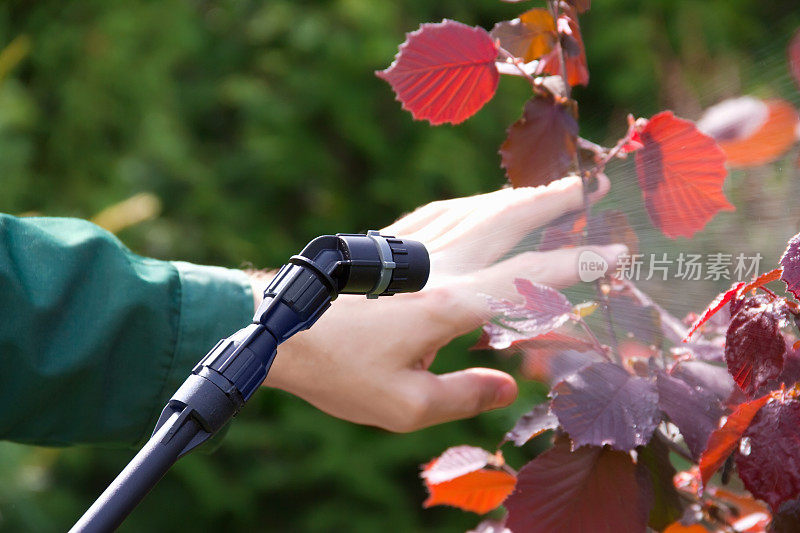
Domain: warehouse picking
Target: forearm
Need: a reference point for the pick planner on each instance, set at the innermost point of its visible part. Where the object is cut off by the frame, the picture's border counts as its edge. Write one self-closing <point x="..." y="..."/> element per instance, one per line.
<point x="94" y="338"/>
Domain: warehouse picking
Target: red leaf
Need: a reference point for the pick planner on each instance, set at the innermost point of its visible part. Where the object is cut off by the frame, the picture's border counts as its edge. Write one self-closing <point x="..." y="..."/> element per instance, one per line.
<point x="762" y="280"/>
<point x="681" y="172"/>
<point x="694" y="410"/>
<point x="768" y="461"/>
<point x="444" y="72"/>
<point x="790" y="261"/>
<point x="724" y="440"/>
<point x="479" y="491"/>
<point x="590" y="489"/>
<point x="749" y="131"/>
<point x="544" y="310"/>
<point x="716" y="304"/>
<point x="733" y="119"/>
<point x="754" y="346"/>
<point x="528" y="37"/>
<point x="794" y="57"/>
<point x="531" y="424"/>
<point x="744" y="513"/>
<point x="540" y="146"/>
<point x="603" y="404"/>
<point x="455" y="462"/>
<point x="571" y="42"/>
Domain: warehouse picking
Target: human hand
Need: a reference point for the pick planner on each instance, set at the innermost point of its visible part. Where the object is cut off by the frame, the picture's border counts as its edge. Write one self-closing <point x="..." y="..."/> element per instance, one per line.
<point x="367" y="361"/>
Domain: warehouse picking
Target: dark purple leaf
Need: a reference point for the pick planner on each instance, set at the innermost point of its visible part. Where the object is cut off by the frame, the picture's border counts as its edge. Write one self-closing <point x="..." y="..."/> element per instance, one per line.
<point x="591" y="489"/>
<point x="603" y="404"/>
<point x="551" y="366"/>
<point x="673" y="329"/>
<point x="703" y="350"/>
<point x="540" y="146"/>
<point x="706" y="377"/>
<point x="787" y="519"/>
<point x="544" y="310"/>
<point x="639" y="322"/>
<point x="531" y="424"/>
<point x="754" y="345"/>
<point x="580" y="5"/>
<point x="790" y="261"/>
<point x="695" y="411"/>
<point x="768" y="460"/>
<point x="791" y="368"/>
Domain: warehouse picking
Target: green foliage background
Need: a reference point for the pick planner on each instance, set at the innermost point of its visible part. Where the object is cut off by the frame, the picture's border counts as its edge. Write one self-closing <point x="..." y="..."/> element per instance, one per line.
<point x="259" y="125"/>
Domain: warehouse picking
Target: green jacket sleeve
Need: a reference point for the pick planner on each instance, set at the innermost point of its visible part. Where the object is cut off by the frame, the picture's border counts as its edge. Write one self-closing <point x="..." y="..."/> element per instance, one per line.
<point x="94" y="339"/>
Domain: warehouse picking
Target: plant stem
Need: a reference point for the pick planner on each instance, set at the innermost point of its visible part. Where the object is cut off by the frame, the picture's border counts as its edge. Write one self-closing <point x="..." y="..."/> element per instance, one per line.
<point x="600" y="348"/>
<point x="774" y="296"/>
<point x="509" y="469"/>
<point x="603" y="299"/>
<point x="554" y="11"/>
<point x="518" y="63"/>
<point x="586" y="144"/>
<point x="611" y="154"/>
<point x="553" y="6"/>
<point x="674" y="446"/>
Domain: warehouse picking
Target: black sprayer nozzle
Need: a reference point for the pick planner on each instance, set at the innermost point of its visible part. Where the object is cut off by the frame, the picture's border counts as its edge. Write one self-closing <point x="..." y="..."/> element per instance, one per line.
<point x="412" y="266"/>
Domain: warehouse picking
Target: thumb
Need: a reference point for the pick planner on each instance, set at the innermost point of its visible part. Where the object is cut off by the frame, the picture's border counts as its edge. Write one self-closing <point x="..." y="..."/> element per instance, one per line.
<point x="465" y="393"/>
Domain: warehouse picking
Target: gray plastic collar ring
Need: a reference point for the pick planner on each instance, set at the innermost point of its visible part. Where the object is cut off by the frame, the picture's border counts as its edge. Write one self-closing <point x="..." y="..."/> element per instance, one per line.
<point x="387" y="265"/>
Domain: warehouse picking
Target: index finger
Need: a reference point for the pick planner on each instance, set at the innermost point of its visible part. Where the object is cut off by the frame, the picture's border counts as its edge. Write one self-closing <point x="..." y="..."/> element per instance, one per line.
<point x="504" y="217"/>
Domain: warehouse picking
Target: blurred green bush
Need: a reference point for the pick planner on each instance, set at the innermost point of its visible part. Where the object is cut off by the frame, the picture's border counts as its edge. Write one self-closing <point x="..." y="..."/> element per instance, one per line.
<point x="259" y="125"/>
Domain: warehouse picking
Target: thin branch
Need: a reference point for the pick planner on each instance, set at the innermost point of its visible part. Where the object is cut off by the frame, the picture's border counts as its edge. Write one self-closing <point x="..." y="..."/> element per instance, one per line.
<point x="517" y="62"/>
<point x="509" y="469"/>
<point x="586" y="144"/>
<point x="600" y="348"/>
<point x="554" y="8"/>
<point x="774" y="296"/>
<point x="674" y="446"/>
<point x="612" y="334"/>
<point x="609" y="154"/>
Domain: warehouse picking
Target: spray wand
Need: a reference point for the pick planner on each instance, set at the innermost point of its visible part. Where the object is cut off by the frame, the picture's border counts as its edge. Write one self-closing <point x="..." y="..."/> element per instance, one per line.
<point x="225" y="379"/>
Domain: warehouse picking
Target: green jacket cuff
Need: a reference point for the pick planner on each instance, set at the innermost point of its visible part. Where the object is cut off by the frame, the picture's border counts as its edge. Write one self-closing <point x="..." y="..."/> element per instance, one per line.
<point x="214" y="303"/>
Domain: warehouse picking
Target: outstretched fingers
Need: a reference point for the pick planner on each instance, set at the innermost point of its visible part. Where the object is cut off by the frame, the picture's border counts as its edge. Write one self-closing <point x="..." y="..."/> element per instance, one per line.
<point x="460" y="304"/>
<point x="557" y="268"/>
<point x="442" y="398"/>
<point x="499" y="220"/>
